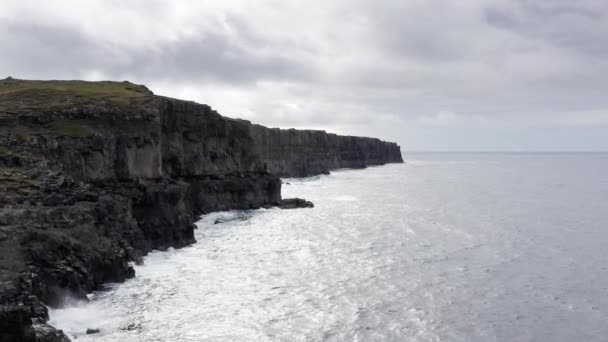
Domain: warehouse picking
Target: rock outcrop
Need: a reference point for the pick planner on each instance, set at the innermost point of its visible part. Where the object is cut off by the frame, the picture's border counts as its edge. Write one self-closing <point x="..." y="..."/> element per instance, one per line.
<point x="93" y="175"/>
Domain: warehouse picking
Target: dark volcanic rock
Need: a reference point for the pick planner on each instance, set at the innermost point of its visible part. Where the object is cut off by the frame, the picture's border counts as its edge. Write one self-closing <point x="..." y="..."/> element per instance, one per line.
<point x="47" y="333"/>
<point x="92" y="331"/>
<point x="293" y="203"/>
<point x="94" y="175"/>
<point x="16" y="324"/>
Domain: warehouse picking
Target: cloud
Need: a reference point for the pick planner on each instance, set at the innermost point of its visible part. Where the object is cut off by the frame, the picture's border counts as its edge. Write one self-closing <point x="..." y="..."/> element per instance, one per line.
<point x="575" y="27"/>
<point x="352" y="66"/>
<point x="443" y="118"/>
<point x="47" y="48"/>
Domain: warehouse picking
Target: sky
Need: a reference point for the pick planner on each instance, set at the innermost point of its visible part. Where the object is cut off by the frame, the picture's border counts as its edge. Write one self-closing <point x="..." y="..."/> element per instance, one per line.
<point x="431" y="75"/>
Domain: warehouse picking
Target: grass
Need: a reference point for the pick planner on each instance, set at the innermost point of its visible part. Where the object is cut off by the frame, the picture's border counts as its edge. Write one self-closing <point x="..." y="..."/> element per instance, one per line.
<point x="22" y="180"/>
<point x="76" y="128"/>
<point x="21" y="130"/>
<point x="82" y="88"/>
<point x="63" y="93"/>
<point x="16" y="178"/>
<point x="73" y="128"/>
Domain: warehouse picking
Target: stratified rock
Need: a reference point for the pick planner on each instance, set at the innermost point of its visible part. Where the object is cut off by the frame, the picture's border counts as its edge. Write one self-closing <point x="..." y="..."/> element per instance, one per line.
<point x="94" y="175"/>
<point x="302" y="153"/>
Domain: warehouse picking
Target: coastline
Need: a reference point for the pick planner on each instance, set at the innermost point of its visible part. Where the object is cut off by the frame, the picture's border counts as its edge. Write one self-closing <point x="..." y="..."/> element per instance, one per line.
<point x="97" y="174"/>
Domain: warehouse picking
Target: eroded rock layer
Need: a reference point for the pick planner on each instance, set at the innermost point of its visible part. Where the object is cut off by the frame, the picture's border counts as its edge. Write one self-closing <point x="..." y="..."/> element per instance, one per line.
<point x="93" y="175"/>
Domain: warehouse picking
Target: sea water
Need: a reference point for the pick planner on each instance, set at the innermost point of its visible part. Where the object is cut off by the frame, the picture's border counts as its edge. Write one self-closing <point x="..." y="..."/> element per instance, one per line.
<point x="446" y="247"/>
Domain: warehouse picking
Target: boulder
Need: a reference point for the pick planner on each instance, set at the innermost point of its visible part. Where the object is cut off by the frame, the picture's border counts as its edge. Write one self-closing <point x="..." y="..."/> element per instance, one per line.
<point x="293" y="203"/>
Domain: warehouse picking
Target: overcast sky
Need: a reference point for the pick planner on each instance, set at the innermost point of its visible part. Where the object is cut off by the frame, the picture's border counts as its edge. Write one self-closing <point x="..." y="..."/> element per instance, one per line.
<point x="430" y="75"/>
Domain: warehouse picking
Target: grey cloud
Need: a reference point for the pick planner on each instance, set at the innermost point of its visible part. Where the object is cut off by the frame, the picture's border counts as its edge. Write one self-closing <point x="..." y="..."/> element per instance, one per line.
<point x="210" y="57"/>
<point x="580" y="27"/>
<point x="419" y="30"/>
<point x="45" y="50"/>
<point x="557" y="8"/>
<point x="60" y="51"/>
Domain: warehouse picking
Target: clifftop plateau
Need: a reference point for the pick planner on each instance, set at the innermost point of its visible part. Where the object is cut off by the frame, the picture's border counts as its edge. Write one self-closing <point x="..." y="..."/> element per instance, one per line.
<point x="94" y="175"/>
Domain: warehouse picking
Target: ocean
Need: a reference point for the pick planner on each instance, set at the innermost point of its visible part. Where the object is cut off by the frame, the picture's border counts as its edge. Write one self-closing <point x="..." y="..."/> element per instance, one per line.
<point x="445" y="247"/>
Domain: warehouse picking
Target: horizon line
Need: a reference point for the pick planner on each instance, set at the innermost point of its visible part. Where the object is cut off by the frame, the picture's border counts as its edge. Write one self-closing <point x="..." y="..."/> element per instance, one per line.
<point x="502" y="151"/>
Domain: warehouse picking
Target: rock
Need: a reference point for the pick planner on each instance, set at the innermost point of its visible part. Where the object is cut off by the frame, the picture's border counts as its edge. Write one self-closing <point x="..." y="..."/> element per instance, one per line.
<point x="94" y="177"/>
<point x="132" y="327"/>
<point x="46" y="333"/>
<point x="15" y="324"/>
<point x="293" y="203"/>
<point x="92" y="331"/>
<point x="302" y="153"/>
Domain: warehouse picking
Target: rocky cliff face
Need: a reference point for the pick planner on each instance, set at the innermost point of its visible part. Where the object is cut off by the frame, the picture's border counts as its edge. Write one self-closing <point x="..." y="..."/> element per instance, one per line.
<point x="301" y="153"/>
<point x="95" y="175"/>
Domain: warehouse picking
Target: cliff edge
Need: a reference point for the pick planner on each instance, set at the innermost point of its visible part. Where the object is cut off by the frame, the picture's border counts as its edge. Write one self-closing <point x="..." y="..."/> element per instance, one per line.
<point x="93" y="175"/>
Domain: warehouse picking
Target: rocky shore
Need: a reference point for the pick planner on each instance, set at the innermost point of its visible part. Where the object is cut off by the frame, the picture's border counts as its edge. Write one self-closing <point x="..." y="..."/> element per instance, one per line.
<point x="93" y="175"/>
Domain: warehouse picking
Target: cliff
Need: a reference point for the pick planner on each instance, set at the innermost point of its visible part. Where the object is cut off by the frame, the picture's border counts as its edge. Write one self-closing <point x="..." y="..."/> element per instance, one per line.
<point x="94" y="175"/>
<point x="301" y="153"/>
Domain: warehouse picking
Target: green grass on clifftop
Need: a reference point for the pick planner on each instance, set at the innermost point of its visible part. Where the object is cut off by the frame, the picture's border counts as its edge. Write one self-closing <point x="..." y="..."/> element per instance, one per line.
<point x="25" y="94"/>
<point x="82" y="88"/>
